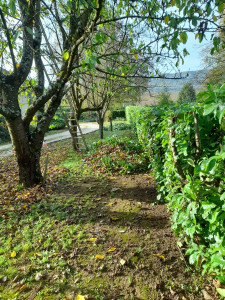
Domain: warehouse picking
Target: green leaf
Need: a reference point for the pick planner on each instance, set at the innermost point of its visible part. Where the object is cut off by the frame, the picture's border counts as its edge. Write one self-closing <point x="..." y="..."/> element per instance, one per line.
<point x="221" y="7"/>
<point x="221" y="291"/>
<point x="29" y="30"/>
<point x="12" y="6"/>
<point x="183" y="37"/>
<point x="209" y="109"/>
<point x="66" y="55"/>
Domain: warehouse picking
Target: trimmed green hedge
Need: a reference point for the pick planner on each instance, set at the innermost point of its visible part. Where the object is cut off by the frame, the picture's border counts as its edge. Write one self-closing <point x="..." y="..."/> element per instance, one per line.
<point x="186" y="147"/>
<point x="118" y="114"/>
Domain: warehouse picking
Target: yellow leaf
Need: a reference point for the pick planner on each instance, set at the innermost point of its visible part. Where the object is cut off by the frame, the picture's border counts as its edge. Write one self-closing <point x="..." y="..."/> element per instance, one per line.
<point x="181" y="39"/>
<point x="196" y="36"/>
<point x="148" y="217"/>
<point x="98" y="256"/>
<point x="18" y="65"/>
<point x="66" y="55"/>
<point x="122" y="74"/>
<point x="214" y="18"/>
<point x="114" y="219"/>
<point x="124" y="183"/>
<point x="111" y="249"/>
<point x="131" y="33"/>
<point x="80" y="297"/>
<point x="112" y="177"/>
<point x="172" y="2"/>
<point x="37" y="254"/>
<point x="166" y="19"/>
<point x="109" y="204"/>
<point x="13" y="254"/>
<point x="122" y="262"/>
<point x="136" y="56"/>
<point x="92" y="239"/>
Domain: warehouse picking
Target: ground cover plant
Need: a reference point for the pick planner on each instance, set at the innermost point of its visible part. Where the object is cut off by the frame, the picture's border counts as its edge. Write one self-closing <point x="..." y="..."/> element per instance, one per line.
<point x="118" y="155"/>
<point x="186" y="149"/>
<point x="89" y="235"/>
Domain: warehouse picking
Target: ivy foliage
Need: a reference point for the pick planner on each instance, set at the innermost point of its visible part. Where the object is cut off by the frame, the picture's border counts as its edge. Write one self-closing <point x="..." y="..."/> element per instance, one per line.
<point x="185" y="144"/>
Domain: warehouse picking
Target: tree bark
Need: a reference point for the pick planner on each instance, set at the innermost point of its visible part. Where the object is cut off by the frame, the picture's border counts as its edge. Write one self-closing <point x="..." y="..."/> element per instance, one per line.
<point x="100" y="123"/>
<point x="27" y="153"/>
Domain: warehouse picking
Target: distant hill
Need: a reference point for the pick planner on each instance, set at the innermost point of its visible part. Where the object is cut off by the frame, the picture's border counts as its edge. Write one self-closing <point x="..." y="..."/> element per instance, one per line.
<point x="178" y="80"/>
<point x="174" y="85"/>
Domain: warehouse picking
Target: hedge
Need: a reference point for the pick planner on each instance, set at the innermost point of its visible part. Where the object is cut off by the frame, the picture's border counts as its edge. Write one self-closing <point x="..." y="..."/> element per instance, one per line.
<point x="186" y="147"/>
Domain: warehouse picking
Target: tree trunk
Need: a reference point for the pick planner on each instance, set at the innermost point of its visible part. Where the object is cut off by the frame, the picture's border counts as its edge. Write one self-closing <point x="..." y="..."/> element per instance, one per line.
<point x="100" y="123"/>
<point x="27" y="153"/>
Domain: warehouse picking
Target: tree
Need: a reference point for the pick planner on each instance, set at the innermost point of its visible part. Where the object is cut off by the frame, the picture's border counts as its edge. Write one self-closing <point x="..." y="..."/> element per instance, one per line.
<point x="187" y="93"/>
<point x="163" y="97"/>
<point x="74" y="25"/>
<point x="27" y="144"/>
<point x="215" y="61"/>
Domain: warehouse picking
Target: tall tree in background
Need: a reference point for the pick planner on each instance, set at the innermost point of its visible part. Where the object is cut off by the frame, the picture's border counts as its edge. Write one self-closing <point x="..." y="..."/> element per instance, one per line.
<point x="164" y="28"/>
<point x="187" y="93"/>
<point x="215" y="61"/>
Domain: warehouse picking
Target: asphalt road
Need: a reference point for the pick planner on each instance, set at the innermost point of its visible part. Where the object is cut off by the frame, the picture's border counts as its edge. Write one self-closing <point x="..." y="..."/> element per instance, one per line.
<point x="6" y="150"/>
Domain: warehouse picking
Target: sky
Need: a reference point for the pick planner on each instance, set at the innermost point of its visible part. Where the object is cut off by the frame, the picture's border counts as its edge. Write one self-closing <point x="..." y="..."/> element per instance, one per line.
<point x="194" y="61"/>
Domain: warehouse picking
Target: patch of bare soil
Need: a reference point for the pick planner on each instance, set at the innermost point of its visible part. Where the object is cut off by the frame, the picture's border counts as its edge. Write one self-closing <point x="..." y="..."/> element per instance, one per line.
<point x="131" y="251"/>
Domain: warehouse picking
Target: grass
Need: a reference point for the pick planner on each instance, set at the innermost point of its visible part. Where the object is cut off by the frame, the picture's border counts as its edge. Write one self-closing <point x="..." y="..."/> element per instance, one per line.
<point x="87" y="233"/>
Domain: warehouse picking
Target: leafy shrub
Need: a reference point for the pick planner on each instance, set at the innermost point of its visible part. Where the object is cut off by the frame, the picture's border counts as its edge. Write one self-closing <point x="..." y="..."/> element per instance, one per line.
<point x="117" y="155"/>
<point x="186" y="148"/>
<point x="118" y="114"/>
<point x="89" y="117"/>
<point x="58" y="122"/>
<point x="118" y="126"/>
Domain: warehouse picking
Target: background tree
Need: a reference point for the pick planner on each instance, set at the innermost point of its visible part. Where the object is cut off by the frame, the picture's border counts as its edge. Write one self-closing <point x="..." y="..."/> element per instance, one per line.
<point x="164" y="96"/>
<point x="187" y="93"/>
<point x="215" y="61"/>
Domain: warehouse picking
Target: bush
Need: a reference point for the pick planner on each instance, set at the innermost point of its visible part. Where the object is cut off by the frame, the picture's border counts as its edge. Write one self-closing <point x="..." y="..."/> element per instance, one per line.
<point x="190" y="178"/>
<point x="57" y="121"/>
<point x="118" y="126"/>
<point x="118" y="114"/>
<point x="118" y="155"/>
<point x="89" y="116"/>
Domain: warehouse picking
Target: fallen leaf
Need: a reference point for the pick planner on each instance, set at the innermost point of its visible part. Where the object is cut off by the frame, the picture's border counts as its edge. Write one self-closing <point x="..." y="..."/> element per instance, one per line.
<point x="111" y="249"/>
<point x="109" y="204"/>
<point x="92" y="239"/>
<point x="98" y="256"/>
<point x="13" y="254"/>
<point x="159" y="256"/>
<point x="114" y="219"/>
<point x="122" y="262"/>
<point x="147" y="217"/>
<point x="37" y="255"/>
<point x="38" y="276"/>
<point x="22" y="287"/>
<point x="112" y="177"/>
<point x="206" y="295"/>
<point x="80" y="297"/>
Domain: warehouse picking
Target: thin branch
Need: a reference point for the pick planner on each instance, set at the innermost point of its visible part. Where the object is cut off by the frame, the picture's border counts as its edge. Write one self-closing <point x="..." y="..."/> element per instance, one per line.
<point x="9" y="40"/>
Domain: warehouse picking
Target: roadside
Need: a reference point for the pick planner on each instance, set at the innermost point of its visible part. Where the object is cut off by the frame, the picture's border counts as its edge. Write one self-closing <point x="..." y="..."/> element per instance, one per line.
<point x="6" y="150"/>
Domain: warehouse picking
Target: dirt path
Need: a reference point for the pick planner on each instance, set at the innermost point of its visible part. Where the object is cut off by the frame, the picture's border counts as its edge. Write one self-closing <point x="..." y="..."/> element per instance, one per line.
<point x="139" y="257"/>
